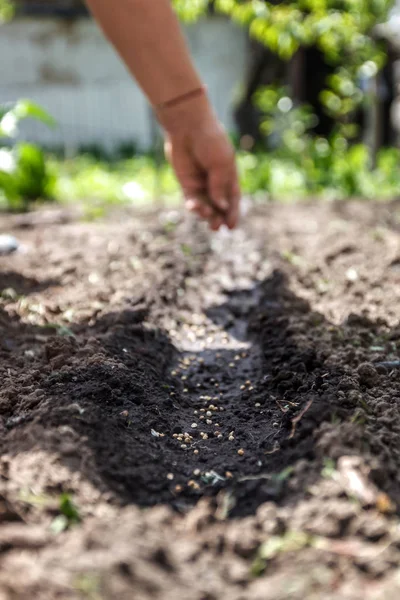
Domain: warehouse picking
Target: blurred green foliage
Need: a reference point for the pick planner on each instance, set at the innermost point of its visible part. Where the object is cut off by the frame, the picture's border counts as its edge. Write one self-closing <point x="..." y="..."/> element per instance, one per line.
<point x="6" y="11"/>
<point x="24" y="175"/>
<point x="325" y="170"/>
<point x="340" y="29"/>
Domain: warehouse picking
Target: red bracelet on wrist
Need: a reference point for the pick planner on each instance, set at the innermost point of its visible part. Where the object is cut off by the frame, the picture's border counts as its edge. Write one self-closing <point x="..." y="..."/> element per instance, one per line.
<point x="200" y="91"/>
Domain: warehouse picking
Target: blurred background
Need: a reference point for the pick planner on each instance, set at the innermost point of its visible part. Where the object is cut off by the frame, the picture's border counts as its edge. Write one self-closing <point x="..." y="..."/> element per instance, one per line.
<point x="308" y="89"/>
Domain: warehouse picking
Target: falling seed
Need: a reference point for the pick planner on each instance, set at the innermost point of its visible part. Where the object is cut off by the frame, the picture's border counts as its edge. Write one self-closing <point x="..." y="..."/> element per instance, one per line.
<point x="194" y="425"/>
<point x="351" y="275"/>
<point x="240" y="452"/>
<point x="170" y="476"/>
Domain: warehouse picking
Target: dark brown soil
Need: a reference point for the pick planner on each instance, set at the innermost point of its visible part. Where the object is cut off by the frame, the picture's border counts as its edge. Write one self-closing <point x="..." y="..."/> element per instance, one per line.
<point x="207" y="417"/>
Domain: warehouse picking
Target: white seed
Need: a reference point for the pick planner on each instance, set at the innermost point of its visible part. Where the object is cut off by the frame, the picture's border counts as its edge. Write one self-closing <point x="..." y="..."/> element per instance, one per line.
<point x="170" y="476"/>
<point x="194" y="425"/>
<point x="209" y="422"/>
<point x="209" y="413"/>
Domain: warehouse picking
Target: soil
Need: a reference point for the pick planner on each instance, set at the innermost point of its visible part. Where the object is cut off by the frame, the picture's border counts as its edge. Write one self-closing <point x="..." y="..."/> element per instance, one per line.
<point x="186" y="415"/>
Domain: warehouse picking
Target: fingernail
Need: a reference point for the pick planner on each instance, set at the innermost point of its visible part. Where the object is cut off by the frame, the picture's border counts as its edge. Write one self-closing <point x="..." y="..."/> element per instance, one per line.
<point x="190" y="204"/>
<point x="224" y="204"/>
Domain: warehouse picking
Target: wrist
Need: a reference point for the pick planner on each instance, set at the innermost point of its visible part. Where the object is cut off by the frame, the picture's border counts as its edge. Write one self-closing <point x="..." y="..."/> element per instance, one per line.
<point x="188" y="116"/>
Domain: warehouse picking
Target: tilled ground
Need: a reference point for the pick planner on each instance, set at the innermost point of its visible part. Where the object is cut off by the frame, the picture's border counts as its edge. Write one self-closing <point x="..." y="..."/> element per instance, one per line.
<point x="205" y="417"/>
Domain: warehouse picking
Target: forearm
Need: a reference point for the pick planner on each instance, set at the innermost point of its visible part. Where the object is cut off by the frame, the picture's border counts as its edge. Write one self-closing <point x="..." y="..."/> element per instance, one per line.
<point x="147" y="35"/>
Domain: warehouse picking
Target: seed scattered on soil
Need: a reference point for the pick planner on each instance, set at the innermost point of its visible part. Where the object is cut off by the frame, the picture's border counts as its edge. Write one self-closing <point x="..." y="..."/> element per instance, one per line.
<point x="240" y="451"/>
<point x="170" y="476"/>
<point x="194" y="425"/>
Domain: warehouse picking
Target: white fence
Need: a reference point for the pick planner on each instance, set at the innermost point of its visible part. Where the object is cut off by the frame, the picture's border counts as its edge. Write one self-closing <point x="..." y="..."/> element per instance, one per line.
<point x="70" y="69"/>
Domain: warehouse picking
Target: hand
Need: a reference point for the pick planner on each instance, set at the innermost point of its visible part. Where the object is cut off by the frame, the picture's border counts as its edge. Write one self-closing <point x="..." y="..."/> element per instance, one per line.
<point x="204" y="162"/>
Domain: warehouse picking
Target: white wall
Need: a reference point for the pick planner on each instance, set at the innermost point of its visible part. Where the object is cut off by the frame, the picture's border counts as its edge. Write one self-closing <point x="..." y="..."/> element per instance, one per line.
<point x="71" y="70"/>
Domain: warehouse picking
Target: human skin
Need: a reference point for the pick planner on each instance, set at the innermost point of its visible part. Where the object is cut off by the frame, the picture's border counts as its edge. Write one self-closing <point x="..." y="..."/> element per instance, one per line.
<point x="147" y="35"/>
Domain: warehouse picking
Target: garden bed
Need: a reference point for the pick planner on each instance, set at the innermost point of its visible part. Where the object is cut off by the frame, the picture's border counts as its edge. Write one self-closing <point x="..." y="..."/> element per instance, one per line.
<point x="186" y="415"/>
